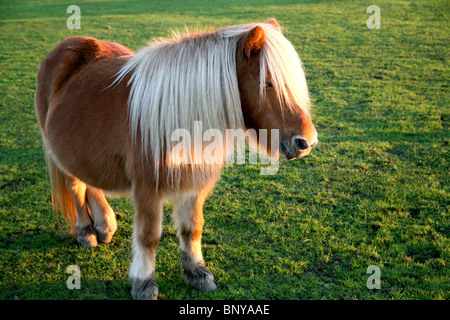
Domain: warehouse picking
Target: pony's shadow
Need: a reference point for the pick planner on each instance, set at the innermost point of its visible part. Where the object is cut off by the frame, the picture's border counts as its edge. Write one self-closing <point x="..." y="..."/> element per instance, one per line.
<point x="35" y="239"/>
<point x="89" y="290"/>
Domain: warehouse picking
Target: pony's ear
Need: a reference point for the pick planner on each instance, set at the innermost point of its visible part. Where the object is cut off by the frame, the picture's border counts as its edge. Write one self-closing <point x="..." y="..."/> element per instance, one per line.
<point x="253" y="41"/>
<point x="274" y="23"/>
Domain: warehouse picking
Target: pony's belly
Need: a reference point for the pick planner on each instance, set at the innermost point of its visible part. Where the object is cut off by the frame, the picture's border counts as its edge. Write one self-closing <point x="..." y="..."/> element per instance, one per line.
<point x="107" y="173"/>
<point x="80" y="147"/>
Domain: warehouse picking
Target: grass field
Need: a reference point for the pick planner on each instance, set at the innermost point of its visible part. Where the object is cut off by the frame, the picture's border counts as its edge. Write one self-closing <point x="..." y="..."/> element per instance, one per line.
<point x="373" y="192"/>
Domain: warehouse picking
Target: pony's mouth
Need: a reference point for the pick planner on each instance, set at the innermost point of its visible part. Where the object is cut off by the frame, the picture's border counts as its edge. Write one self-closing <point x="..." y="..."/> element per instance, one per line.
<point x="288" y="150"/>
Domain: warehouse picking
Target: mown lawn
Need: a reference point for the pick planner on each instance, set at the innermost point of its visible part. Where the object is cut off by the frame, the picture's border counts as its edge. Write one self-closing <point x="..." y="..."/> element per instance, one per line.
<point x="373" y="192"/>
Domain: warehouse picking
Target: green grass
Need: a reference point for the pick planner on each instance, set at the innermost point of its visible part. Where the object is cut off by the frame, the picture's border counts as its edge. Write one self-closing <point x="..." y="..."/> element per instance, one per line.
<point x="373" y="192"/>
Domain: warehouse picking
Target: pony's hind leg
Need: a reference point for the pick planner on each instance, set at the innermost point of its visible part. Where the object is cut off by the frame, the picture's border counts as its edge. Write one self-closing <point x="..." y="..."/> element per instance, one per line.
<point x="86" y="235"/>
<point x="102" y="215"/>
<point x="188" y="217"/>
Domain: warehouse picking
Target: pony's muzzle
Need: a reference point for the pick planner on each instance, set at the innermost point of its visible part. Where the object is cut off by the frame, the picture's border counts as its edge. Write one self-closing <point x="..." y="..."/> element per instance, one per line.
<point x="296" y="147"/>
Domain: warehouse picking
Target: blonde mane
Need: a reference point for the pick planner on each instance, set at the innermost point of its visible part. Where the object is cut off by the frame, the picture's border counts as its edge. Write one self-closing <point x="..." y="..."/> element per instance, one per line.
<point x="192" y="77"/>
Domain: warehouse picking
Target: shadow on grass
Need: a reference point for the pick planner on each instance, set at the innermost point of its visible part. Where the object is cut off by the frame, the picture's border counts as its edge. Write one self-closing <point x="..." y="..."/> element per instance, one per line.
<point x="35" y="239"/>
<point x="90" y="290"/>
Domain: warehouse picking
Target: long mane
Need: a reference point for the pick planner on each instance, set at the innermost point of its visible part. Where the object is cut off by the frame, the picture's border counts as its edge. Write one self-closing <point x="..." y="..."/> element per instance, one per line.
<point x="192" y="77"/>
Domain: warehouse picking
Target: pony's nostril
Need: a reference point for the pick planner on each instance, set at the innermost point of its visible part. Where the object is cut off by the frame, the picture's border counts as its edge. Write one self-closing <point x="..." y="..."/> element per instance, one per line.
<point x="300" y="143"/>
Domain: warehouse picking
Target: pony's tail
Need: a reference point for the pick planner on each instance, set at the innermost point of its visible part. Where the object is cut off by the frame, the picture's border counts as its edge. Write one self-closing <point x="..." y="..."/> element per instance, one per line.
<point x="61" y="196"/>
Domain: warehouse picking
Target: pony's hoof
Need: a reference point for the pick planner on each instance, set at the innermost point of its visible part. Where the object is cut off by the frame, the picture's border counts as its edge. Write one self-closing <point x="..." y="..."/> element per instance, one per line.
<point x="144" y="289"/>
<point x="105" y="236"/>
<point x="196" y="274"/>
<point x="201" y="279"/>
<point x="106" y="230"/>
<point x="87" y="237"/>
<point x="207" y="286"/>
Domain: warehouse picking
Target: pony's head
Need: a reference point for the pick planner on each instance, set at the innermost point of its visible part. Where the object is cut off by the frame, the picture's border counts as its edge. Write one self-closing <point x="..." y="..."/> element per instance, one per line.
<point x="244" y="76"/>
<point x="273" y="89"/>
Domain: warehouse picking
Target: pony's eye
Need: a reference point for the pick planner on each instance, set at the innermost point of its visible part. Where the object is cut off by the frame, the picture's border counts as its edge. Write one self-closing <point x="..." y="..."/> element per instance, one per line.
<point x="267" y="84"/>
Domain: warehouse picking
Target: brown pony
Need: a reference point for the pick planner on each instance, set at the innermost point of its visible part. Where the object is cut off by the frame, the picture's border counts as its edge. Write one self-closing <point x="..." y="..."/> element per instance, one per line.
<point x="107" y="116"/>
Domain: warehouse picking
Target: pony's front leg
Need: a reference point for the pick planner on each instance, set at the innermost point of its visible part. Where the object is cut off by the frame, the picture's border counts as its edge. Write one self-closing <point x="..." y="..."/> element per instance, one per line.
<point x="188" y="217"/>
<point x="146" y="236"/>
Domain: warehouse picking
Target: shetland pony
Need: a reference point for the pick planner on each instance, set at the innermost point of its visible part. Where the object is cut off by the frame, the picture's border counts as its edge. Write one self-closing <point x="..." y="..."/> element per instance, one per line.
<point x="107" y="114"/>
